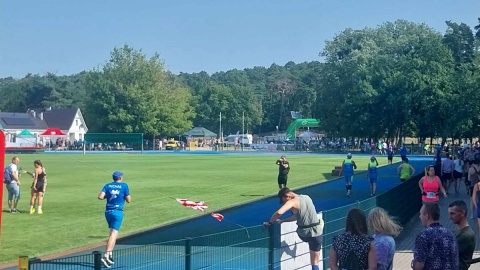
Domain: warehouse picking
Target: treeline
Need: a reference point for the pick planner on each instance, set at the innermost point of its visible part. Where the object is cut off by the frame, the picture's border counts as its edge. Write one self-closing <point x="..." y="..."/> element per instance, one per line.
<point x="399" y="79"/>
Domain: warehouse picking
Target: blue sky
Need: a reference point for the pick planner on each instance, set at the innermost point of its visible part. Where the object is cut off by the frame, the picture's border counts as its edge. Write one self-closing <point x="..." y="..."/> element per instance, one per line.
<point x="67" y="37"/>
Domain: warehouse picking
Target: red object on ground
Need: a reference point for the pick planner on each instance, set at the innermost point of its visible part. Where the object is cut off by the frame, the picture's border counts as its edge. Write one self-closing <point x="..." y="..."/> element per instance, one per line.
<point x="217" y="216"/>
<point x="200" y="206"/>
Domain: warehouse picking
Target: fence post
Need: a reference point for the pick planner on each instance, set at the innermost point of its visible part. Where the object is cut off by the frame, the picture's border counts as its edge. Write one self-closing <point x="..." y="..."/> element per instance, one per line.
<point x="97" y="260"/>
<point x="271" y="247"/>
<point x="188" y="253"/>
<point x="23" y="263"/>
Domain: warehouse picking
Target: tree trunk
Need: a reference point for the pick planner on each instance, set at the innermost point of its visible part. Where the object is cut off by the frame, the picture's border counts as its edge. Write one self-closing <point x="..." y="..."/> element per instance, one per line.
<point x="281" y="112"/>
<point x="399" y="137"/>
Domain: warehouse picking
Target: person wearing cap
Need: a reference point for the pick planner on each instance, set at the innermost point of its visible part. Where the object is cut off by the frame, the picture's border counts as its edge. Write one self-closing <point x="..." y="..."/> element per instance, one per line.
<point x="116" y="193"/>
<point x="348" y="167"/>
<point x="372" y="174"/>
<point x="309" y="225"/>
<point x="283" y="170"/>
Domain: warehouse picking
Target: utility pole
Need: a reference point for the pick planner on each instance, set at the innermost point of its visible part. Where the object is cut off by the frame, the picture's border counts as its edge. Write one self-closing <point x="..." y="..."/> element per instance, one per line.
<point x="243" y="127"/>
<point x="220" y="136"/>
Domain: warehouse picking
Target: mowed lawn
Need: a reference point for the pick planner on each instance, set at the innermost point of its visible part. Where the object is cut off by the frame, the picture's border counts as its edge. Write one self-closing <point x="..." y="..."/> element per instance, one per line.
<point x="74" y="217"/>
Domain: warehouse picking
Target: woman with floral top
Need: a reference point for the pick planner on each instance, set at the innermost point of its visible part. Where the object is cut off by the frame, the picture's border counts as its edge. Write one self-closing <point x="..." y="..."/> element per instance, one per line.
<point x="353" y="243"/>
<point x="385" y="229"/>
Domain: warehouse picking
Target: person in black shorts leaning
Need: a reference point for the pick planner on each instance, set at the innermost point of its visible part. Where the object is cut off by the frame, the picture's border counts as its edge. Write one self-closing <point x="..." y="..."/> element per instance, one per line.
<point x="283" y="170"/>
<point x="310" y="226"/>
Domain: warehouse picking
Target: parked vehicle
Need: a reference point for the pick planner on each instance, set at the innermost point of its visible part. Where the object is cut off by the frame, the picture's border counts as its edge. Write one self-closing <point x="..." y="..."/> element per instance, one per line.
<point x="245" y="139"/>
<point x="172" y="145"/>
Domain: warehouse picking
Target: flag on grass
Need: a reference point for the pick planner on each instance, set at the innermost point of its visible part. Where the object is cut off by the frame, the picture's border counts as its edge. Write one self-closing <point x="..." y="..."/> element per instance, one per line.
<point x="200" y="206"/>
<point x="217" y="216"/>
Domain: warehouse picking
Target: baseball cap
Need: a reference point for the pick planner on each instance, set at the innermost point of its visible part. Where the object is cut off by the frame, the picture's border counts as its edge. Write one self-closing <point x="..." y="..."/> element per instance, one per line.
<point x="349" y="155"/>
<point x="372" y="157"/>
<point x="116" y="175"/>
<point x="282" y="192"/>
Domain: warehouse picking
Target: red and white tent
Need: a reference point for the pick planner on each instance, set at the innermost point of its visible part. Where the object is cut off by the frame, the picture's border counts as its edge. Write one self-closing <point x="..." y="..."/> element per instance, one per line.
<point x="53" y="132"/>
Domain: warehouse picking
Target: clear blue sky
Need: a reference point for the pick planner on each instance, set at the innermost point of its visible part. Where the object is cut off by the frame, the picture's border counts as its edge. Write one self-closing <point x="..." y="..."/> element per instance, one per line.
<point x="67" y="37"/>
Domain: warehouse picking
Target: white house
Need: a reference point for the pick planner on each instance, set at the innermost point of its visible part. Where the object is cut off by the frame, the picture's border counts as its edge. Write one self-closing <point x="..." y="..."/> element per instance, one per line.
<point x="36" y="121"/>
<point x="70" y="121"/>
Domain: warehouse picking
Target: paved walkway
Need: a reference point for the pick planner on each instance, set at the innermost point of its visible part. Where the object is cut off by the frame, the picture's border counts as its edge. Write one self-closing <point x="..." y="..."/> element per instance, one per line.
<point x="405" y="241"/>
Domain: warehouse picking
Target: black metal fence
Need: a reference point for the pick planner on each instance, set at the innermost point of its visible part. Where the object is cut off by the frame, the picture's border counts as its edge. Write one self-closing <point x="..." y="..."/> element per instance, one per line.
<point x="251" y="248"/>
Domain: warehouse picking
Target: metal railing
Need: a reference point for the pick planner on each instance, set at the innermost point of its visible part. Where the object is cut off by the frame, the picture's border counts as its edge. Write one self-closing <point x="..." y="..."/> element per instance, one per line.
<point x="252" y="247"/>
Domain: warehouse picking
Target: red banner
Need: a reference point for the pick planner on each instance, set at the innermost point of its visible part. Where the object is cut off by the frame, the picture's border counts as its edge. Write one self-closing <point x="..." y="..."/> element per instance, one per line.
<point x="2" y="163"/>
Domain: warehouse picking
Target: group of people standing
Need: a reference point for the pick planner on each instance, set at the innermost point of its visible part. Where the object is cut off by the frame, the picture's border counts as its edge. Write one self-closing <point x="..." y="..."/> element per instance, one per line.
<point x="37" y="189"/>
<point x="436" y="247"/>
<point x="355" y="247"/>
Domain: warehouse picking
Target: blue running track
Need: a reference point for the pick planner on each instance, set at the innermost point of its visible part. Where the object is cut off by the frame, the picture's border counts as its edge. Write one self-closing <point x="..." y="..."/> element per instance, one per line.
<point x="327" y="195"/>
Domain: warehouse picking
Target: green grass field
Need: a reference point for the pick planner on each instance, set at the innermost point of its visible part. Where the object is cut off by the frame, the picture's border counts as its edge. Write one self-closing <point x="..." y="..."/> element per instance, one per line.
<point x="73" y="216"/>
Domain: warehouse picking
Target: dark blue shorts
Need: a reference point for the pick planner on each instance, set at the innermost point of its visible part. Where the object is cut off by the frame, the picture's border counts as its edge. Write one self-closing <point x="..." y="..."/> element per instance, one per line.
<point x="314" y="243"/>
<point x="348" y="178"/>
<point x="114" y="219"/>
<point x="373" y="180"/>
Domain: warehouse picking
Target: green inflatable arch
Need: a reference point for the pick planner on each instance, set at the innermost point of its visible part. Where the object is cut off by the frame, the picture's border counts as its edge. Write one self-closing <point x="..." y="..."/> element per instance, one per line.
<point x="304" y="122"/>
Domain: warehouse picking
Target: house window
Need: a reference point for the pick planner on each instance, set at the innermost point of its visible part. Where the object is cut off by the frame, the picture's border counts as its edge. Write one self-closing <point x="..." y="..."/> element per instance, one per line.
<point x="76" y="122"/>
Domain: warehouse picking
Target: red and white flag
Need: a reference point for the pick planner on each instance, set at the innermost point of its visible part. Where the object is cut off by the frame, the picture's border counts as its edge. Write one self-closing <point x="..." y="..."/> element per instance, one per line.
<point x="201" y="206"/>
<point x="217" y="216"/>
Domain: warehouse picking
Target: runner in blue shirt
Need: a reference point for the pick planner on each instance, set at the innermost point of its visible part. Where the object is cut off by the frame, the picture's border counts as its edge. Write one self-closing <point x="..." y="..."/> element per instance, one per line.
<point x="348" y="167"/>
<point x="116" y="193"/>
<point x="372" y="174"/>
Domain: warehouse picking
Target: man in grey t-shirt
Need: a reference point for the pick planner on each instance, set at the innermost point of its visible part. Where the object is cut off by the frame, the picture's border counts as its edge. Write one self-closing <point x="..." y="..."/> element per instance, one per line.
<point x="309" y="225"/>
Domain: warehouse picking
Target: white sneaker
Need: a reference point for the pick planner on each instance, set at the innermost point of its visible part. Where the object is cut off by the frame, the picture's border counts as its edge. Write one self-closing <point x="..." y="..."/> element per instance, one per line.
<point x="105" y="262"/>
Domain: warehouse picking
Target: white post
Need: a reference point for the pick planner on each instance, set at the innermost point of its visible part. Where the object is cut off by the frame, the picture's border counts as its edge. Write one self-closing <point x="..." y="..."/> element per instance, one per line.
<point x="220" y="143"/>
<point x="243" y="126"/>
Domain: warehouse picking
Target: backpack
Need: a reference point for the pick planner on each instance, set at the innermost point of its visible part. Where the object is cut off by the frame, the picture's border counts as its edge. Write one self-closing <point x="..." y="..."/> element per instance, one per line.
<point x="351" y="262"/>
<point x="7" y="175"/>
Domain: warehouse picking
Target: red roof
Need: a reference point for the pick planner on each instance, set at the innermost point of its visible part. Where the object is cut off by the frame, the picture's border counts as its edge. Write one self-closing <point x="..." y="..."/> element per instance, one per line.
<point x="52" y="132"/>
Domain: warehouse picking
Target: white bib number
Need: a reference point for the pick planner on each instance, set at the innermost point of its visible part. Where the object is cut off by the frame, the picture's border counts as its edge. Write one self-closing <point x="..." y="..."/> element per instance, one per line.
<point x="431" y="195"/>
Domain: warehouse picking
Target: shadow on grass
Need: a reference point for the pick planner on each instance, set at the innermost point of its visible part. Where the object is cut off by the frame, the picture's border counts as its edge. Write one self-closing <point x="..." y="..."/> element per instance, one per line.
<point x="96" y="237"/>
<point x="252" y="195"/>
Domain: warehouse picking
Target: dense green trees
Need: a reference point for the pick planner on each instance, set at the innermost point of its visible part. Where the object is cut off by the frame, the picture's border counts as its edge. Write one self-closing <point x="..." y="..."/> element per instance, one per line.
<point x="135" y="94"/>
<point x="398" y="79"/>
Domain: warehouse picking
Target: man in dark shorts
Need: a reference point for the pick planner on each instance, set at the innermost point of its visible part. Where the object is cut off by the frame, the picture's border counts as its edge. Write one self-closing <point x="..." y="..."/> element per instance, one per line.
<point x="390" y="154"/>
<point x="283" y="170"/>
<point x="310" y="227"/>
<point x="447" y="172"/>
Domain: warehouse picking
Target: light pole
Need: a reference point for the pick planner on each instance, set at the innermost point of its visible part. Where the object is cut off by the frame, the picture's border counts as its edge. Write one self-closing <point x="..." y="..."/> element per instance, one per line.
<point x="243" y="127"/>
<point x="220" y="136"/>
